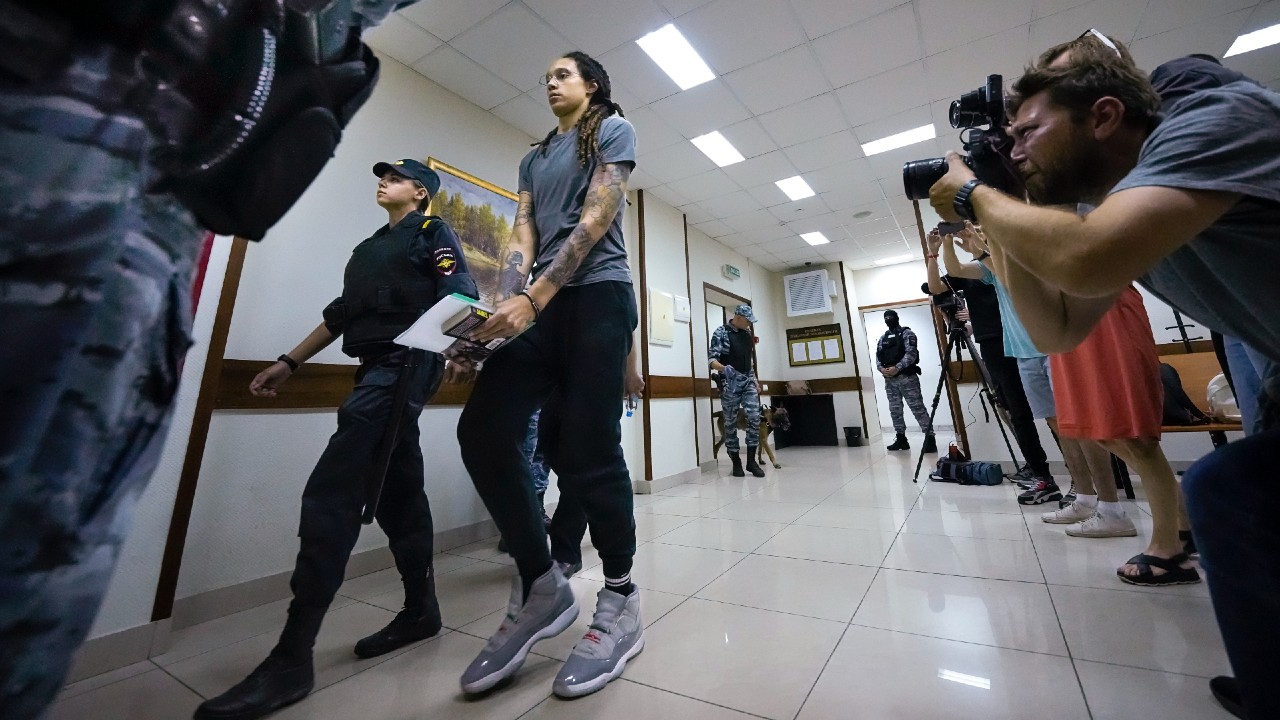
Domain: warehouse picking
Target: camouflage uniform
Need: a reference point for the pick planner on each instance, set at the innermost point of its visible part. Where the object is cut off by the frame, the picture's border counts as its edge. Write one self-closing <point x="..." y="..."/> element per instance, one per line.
<point x="532" y="449"/>
<point x="95" y="312"/>
<point x="739" y="391"/>
<point x="905" y="385"/>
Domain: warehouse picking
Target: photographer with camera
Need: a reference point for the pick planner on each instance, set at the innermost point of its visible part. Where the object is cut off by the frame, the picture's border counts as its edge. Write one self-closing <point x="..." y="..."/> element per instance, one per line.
<point x="983" y="310"/>
<point x="1186" y="202"/>
<point x="898" y="360"/>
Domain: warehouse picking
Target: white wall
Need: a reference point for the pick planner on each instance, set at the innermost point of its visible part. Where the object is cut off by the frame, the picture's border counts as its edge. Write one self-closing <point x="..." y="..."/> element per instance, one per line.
<point x="245" y="517"/>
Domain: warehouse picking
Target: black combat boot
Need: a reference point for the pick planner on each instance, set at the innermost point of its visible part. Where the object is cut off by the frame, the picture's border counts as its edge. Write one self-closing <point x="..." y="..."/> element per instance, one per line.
<point x="930" y="444"/>
<point x="900" y="444"/>
<point x="284" y="678"/>
<point x="752" y="466"/>
<point x="419" y="620"/>
<point x="737" y="465"/>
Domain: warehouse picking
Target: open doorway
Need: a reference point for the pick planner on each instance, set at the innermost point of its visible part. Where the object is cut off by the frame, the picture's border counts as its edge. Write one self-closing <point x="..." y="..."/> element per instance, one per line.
<point x="919" y="317"/>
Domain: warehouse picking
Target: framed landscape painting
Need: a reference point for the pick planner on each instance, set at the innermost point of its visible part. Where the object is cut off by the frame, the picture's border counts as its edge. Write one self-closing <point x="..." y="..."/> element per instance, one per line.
<point x="482" y="215"/>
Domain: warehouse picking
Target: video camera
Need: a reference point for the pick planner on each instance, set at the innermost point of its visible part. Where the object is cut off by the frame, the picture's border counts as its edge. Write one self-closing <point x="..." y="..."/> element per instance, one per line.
<point x="988" y="148"/>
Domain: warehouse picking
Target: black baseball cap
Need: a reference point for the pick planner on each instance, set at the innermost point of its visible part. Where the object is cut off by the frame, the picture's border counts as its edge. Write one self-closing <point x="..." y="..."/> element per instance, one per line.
<point x="413" y="170"/>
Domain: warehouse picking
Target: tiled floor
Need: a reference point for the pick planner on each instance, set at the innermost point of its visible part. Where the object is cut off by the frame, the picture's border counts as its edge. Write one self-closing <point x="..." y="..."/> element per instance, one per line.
<point x="833" y="588"/>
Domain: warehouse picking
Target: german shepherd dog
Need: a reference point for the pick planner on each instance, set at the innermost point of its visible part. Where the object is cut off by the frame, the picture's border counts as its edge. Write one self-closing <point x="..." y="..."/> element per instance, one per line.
<point x="770" y="418"/>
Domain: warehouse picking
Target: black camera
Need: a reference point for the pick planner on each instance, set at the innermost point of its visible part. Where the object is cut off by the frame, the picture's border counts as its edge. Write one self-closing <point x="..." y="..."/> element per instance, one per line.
<point x="988" y="148"/>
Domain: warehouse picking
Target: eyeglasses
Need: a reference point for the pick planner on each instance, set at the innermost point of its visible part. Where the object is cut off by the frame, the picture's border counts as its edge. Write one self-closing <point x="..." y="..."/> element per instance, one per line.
<point x="559" y="76"/>
<point x="1102" y="39"/>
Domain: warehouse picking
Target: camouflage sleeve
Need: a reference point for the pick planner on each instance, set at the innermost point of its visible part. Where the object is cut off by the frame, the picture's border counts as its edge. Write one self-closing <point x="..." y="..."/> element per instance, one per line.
<point x="719" y="346"/>
<point x="912" y="354"/>
<point x="436" y="252"/>
<point x="879" y="347"/>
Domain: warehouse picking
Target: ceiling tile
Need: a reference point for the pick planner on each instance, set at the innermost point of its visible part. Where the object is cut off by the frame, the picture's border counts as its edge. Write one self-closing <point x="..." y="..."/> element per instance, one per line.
<point x="834" y="149"/>
<point x="714" y="228"/>
<point x="768" y="195"/>
<point x="790" y="243"/>
<point x="893" y="124"/>
<point x="965" y="68"/>
<point x="797" y="256"/>
<point x="401" y="40"/>
<point x="734" y="241"/>
<point x="1115" y="18"/>
<point x="464" y="78"/>
<point x="445" y="19"/>
<point x="875" y="242"/>
<point x="729" y="205"/>
<point x="753" y="220"/>
<point x="1212" y="36"/>
<point x="870" y="227"/>
<point x="889" y="92"/>
<point x="813" y="118"/>
<point x="1045" y="8"/>
<point x="766" y="232"/>
<point x="525" y="113"/>
<point x="652" y="133"/>
<point x="680" y="7"/>
<point x="640" y="180"/>
<point x="768" y="168"/>
<point x="731" y="34"/>
<point x="852" y="195"/>
<point x="674" y="162"/>
<point x="779" y="80"/>
<point x="633" y="72"/>
<point x="1257" y="64"/>
<point x="834" y="177"/>
<point x="870" y="47"/>
<point x="666" y="195"/>
<point x="946" y="24"/>
<point x="800" y="209"/>
<point x="749" y="138"/>
<point x="1161" y="16"/>
<point x="698" y="110"/>
<point x="514" y="44"/>
<point x="605" y="26"/>
<point x="694" y="214"/>
<point x="703" y="186"/>
<point x="819" y="17"/>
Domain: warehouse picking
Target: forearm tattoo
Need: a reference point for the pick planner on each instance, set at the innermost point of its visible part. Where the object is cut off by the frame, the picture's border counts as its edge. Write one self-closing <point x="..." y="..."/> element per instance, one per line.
<point x="516" y="260"/>
<point x="606" y="194"/>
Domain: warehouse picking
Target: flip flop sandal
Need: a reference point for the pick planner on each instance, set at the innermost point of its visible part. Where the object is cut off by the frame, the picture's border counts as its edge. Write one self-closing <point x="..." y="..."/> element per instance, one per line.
<point x="1173" y="574"/>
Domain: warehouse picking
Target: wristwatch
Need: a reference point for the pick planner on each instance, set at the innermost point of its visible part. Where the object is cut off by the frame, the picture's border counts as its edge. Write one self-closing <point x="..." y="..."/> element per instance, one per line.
<point x="963" y="206"/>
<point x="985" y="254"/>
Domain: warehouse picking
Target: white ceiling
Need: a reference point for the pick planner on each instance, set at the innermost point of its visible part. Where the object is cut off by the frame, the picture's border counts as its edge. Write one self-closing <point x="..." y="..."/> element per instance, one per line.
<point x="800" y="85"/>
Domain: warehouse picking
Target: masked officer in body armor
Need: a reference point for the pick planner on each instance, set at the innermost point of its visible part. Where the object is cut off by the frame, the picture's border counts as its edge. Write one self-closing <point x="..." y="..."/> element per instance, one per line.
<point x="730" y="353"/>
<point x="392" y="278"/>
<point x="898" y="361"/>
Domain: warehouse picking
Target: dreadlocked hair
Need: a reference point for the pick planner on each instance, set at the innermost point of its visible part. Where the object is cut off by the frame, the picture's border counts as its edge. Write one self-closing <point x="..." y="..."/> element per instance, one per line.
<point x="601" y="106"/>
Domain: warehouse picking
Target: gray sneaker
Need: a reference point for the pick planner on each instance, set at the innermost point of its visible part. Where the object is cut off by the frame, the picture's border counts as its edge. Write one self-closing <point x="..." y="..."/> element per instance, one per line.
<point x="549" y="610"/>
<point x="616" y="635"/>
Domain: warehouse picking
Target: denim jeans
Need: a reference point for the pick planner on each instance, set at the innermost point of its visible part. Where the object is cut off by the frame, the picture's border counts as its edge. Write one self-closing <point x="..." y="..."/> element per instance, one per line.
<point x="577" y="352"/>
<point x="1247" y="368"/>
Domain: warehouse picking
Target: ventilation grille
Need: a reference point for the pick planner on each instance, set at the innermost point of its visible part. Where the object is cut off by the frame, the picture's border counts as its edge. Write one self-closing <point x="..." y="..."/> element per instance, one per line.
<point x="807" y="293"/>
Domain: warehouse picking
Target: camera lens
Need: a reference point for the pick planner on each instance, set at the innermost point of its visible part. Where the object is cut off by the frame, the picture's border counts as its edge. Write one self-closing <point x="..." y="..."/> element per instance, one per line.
<point x="920" y="175"/>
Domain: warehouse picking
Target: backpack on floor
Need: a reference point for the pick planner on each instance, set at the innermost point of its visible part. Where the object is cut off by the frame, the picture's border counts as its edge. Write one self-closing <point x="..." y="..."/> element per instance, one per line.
<point x="967" y="472"/>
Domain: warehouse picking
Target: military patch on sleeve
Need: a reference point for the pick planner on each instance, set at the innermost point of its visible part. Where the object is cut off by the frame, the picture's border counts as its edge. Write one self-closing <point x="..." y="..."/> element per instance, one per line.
<point x="445" y="260"/>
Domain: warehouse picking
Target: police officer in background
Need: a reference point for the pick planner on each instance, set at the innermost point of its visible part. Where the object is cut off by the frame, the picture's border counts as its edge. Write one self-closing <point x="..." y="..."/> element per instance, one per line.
<point x="392" y="278"/>
<point x="730" y="353"/>
<point x="899" y="361"/>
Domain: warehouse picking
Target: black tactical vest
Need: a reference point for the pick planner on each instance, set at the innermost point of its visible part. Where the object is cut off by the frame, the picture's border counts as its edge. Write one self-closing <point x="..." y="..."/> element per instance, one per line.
<point x="893" y="349"/>
<point x="740" y="343"/>
<point x="383" y="293"/>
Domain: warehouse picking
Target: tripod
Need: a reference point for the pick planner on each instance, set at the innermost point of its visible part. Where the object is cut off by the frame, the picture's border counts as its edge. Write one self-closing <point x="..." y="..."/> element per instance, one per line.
<point x="957" y="337"/>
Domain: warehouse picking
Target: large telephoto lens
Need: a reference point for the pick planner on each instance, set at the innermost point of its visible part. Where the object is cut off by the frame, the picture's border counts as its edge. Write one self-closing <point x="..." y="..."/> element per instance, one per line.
<point x="920" y="175"/>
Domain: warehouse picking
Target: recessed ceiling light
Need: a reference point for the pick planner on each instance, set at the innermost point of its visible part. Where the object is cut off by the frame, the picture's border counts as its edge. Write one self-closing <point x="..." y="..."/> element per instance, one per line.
<point x="893" y="260"/>
<point x="862" y="214"/>
<point x="795" y="187"/>
<point x="815" y="238"/>
<point x="1254" y="40"/>
<point x="676" y="57"/>
<point x="902" y="139"/>
<point x="716" y="147"/>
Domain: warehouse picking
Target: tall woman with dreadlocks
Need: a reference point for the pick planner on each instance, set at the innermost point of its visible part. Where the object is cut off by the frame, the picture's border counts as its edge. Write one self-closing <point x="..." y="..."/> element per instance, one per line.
<point x="568" y="228"/>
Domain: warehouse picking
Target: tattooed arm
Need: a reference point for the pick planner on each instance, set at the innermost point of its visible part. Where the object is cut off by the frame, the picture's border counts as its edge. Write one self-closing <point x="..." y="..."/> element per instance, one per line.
<point x="605" y="195"/>
<point x="517" y="257"/>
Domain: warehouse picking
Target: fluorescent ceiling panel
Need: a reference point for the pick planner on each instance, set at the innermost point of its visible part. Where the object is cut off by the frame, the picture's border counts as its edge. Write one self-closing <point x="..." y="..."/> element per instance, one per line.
<point x="1252" y="41"/>
<point x="795" y="187"/>
<point x="676" y="57"/>
<point x="902" y="139"/>
<point x="716" y="147"/>
<point x="815" y="238"/>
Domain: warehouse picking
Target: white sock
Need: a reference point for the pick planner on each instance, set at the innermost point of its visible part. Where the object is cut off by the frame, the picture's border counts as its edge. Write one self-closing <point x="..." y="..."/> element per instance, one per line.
<point x="1111" y="509"/>
<point x="1089" y="501"/>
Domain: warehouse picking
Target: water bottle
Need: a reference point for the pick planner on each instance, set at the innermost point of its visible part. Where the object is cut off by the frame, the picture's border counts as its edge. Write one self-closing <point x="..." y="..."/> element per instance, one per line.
<point x="631" y="401"/>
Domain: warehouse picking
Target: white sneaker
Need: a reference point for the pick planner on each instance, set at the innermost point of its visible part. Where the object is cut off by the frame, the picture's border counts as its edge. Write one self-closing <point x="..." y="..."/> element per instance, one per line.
<point x="1104" y="526"/>
<point x="1073" y="513"/>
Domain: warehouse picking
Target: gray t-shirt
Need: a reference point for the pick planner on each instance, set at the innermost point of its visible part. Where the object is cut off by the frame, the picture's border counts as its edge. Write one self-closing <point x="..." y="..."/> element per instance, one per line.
<point x="559" y="187"/>
<point x="1228" y="277"/>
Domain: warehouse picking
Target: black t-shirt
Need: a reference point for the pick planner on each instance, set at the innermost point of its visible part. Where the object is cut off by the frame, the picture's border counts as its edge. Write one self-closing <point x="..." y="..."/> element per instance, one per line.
<point x="984" y="307"/>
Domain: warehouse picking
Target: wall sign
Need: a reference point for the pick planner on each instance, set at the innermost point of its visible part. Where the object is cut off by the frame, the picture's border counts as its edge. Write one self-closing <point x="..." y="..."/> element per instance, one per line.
<point x="815" y="345"/>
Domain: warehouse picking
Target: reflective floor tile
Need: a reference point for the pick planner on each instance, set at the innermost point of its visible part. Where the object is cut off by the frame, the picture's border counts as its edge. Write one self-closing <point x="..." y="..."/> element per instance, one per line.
<point x="718" y="534"/>
<point x="968" y="556"/>
<point x="825" y="590"/>
<point x="1001" y="613"/>
<point x="885" y="520"/>
<point x="674" y="568"/>
<point x="855" y="547"/>
<point x="1171" y="633"/>
<point x="802" y="490"/>
<point x="687" y="506"/>
<point x="650" y="526"/>
<point x="880" y="675"/>
<point x="230" y="629"/>
<point x="465" y="595"/>
<point x="1123" y="693"/>
<point x="152" y="695"/>
<point x="759" y="510"/>
<point x="757" y="661"/>
<point x="993" y="526"/>
<point x="108" y="678"/>
<point x="973" y="500"/>
<point x="625" y="699"/>
<point x="869" y="492"/>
